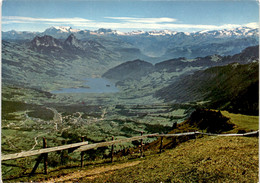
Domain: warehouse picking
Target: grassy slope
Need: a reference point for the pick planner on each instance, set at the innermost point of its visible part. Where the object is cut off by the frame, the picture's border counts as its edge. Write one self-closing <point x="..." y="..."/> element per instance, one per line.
<point x="243" y="122"/>
<point x="207" y="159"/>
<point x="210" y="159"/>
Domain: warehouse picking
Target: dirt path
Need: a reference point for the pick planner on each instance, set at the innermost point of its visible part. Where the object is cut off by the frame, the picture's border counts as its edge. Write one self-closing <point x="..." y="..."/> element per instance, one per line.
<point x="91" y="174"/>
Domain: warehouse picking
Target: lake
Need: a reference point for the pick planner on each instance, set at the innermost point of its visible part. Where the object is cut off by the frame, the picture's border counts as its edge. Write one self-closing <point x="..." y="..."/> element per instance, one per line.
<point x="93" y="85"/>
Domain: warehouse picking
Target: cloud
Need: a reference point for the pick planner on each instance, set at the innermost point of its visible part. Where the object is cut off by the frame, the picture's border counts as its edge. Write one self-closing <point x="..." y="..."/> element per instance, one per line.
<point x="157" y="26"/>
<point x="17" y="19"/>
<point x="122" y="23"/>
<point x="16" y="22"/>
<point x="144" y="20"/>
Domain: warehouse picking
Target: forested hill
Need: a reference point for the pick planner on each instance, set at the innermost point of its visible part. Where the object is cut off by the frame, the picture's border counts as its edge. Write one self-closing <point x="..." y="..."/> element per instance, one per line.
<point x="233" y="87"/>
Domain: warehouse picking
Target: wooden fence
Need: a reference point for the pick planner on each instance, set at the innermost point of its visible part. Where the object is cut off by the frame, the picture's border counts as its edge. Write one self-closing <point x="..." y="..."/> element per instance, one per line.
<point x="84" y="146"/>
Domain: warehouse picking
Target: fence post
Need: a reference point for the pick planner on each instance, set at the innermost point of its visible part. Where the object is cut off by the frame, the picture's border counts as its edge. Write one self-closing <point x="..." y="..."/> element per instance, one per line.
<point x="161" y="146"/>
<point x="82" y="155"/>
<point x="62" y="152"/>
<point x="112" y="150"/>
<point x="45" y="157"/>
<point x="141" y="145"/>
<point x="36" y="165"/>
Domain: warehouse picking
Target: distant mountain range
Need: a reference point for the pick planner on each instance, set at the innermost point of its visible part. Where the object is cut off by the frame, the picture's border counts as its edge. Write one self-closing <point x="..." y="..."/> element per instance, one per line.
<point x="64" y="31"/>
<point x="156" y="45"/>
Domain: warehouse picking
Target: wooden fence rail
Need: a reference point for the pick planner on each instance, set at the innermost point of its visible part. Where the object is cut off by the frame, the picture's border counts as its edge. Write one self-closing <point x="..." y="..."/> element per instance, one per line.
<point x="41" y="151"/>
<point x="209" y="134"/>
<point x="229" y="135"/>
<point x="84" y="146"/>
<point x="103" y="144"/>
<point x="177" y="134"/>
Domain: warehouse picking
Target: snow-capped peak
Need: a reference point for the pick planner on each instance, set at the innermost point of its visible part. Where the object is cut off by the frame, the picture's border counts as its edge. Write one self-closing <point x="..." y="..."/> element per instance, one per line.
<point x="203" y="31"/>
<point x="63" y="28"/>
<point x="239" y="31"/>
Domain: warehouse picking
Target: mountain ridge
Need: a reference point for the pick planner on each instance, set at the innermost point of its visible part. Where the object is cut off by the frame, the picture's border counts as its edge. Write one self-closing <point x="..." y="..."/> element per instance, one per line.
<point x="239" y="31"/>
<point x="154" y="45"/>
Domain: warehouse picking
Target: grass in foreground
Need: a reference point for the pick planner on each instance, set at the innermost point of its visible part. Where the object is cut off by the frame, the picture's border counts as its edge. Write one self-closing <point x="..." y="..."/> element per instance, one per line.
<point x="209" y="159"/>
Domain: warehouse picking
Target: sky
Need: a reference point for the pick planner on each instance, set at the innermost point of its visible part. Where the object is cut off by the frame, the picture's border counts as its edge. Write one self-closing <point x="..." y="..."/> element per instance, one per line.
<point x="129" y="15"/>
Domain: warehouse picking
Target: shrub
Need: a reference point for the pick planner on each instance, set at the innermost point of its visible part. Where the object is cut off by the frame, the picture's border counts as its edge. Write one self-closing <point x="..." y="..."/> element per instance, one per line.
<point x="211" y="121"/>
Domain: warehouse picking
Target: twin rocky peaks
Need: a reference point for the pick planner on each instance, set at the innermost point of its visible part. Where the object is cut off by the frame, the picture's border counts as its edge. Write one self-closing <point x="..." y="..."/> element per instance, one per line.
<point x="49" y="41"/>
<point x="48" y="44"/>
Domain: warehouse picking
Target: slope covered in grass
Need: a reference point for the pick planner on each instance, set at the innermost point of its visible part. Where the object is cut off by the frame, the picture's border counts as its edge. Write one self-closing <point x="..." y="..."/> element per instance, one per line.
<point x="210" y="121"/>
<point x="243" y="122"/>
<point x="209" y="159"/>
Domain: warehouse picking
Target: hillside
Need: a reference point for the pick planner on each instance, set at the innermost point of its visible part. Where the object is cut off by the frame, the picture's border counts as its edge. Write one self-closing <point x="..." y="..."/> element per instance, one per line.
<point x="220" y="82"/>
<point x="218" y="46"/>
<point x="233" y="87"/>
<point x="193" y="161"/>
<point x="47" y="63"/>
<point x="247" y="55"/>
<point x="129" y="70"/>
<point x="233" y="159"/>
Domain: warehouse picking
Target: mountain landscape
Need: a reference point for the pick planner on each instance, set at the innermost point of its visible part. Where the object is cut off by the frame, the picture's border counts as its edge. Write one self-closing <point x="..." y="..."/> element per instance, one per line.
<point x="165" y="44"/>
<point x="98" y="51"/>
<point x="151" y="81"/>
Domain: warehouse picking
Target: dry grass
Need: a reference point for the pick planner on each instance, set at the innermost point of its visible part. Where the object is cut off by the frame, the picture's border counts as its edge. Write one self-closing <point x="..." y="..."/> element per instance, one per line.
<point x="91" y="174"/>
<point x="209" y="159"/>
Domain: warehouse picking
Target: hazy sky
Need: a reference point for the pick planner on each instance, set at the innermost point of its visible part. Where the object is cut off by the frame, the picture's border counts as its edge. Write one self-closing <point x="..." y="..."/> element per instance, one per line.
<point x="37" y="15"/>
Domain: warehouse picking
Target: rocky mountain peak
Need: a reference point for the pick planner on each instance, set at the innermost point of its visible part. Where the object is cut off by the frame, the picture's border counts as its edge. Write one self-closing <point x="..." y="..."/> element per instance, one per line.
<point x="46" y="41"/>
<point x="72" y="41"/>
<point x="59" y="29"/>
